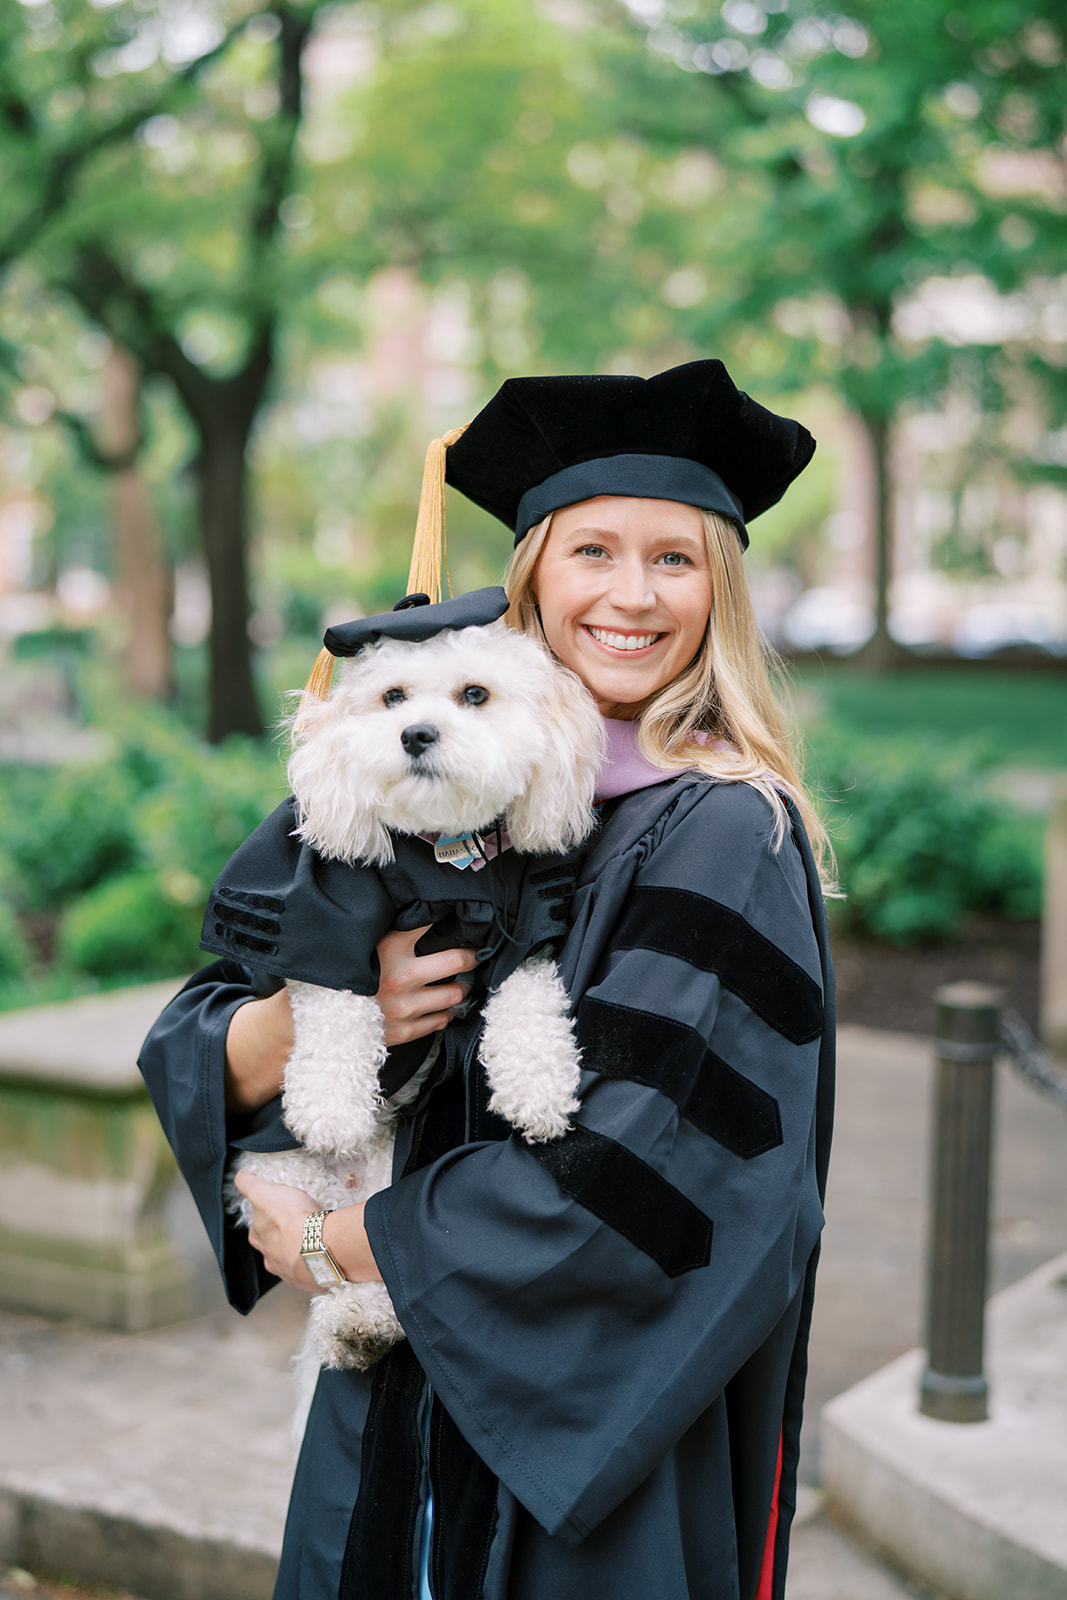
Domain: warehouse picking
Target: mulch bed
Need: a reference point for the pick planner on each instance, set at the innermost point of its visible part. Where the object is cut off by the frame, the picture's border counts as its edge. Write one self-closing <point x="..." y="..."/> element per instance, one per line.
<point x="880" y="987"/>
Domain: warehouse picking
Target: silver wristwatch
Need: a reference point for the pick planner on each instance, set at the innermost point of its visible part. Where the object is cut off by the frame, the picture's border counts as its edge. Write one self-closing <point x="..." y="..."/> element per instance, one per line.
<point x="320" y="1262"/>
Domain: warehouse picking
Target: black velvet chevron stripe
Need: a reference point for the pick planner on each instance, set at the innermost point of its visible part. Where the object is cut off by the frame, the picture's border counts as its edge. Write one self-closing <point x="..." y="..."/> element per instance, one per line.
<point x="619" y="1042"/>
<point x="712" y="937"/>
<point x="629" y="1196"/>
<point x="237" y="910"/>
<point x="247" y="921"/>
<point x="245" y="941"/>
<point x="249" y="897"/>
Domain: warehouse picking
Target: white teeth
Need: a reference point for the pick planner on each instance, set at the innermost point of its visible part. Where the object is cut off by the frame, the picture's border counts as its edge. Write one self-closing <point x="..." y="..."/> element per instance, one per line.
<point x="624" y="641"/>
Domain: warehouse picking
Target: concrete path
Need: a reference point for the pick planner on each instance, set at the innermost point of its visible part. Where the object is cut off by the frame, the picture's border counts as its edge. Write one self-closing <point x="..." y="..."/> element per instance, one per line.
<point x="160" y="1462"/>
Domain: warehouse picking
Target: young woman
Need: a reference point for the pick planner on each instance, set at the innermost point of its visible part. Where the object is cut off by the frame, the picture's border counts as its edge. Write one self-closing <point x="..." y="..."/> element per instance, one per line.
<point x="601" y="1386"/>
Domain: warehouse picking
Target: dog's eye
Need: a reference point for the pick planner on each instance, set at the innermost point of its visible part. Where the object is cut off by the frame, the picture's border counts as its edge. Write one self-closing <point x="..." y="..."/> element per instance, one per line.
<point x="474" y="695"/>
<point x="393" y="697"/>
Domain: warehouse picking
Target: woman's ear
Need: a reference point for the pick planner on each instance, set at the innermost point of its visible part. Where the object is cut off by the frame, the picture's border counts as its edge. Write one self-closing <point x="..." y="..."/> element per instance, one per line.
<point x="556" y="809"/>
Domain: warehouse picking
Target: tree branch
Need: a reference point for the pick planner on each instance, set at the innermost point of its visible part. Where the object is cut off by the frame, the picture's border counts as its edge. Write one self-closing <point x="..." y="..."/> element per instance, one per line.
<point x="130" y="314"/>
<point x="64" y="164"/>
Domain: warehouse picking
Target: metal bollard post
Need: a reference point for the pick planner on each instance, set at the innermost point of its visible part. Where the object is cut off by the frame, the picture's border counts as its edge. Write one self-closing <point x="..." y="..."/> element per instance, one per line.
<point x="954" y="1388"/>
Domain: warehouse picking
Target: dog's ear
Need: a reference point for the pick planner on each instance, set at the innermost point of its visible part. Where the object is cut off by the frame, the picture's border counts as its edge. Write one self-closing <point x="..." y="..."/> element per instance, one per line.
<point x="337" y="813"/>
<point x="556" y="810"/>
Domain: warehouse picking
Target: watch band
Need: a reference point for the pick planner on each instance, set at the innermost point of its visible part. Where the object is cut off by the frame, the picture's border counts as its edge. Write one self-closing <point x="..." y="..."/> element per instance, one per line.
<point x="320" y="1263"/>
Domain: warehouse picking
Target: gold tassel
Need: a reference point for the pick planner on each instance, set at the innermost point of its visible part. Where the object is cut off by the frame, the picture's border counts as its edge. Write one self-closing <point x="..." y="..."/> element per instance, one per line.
<point x="430" y="544"/>
<point x="316" y="688"/>
<point x="321" y="677"/>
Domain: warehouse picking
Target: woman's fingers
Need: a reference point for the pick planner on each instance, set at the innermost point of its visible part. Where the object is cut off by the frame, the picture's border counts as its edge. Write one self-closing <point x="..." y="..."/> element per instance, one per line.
<point x="413" y="999"/>
<point x="277" y="1227"/>
<point x="416" y="1027"/>
<point x="401" y="967"/>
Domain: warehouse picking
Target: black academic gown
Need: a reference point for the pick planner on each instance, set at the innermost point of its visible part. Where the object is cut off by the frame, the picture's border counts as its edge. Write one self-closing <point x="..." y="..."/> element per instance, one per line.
<point x="606" y="1347"/>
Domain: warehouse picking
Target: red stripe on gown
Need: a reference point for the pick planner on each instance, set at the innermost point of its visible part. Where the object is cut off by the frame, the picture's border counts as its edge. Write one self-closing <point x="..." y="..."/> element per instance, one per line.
<point x="766" y="1577"/>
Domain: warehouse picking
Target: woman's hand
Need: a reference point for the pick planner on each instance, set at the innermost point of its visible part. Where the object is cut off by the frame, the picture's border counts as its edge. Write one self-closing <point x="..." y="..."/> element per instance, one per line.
<point x="411" y="1007"/>
<point x="277" y="1228"/>
<point x="277" y="1232"/>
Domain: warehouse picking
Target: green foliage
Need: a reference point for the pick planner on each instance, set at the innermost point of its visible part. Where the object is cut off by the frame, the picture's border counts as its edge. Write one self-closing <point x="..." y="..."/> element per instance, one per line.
<point x="921" y="845"/>
<point x="14" y="951"/>
<point x="127" y="928"/>
<point x="66" y="831"/>
<point x="112" y="862"/>
<point x="193" y="820"/>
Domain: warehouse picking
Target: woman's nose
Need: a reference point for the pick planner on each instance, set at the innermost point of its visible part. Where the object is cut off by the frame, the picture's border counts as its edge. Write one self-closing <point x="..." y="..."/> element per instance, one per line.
<point x="632" y="589"/>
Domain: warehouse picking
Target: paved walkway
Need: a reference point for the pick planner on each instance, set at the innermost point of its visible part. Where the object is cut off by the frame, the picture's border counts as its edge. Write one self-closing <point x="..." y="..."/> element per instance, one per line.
<point x="160" y="1461"/>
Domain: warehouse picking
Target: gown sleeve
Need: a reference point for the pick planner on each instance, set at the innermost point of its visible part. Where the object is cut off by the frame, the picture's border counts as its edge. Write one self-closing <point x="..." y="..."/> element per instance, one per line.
<point x="183" y="1064"/>
<point x="579" y="1305"/>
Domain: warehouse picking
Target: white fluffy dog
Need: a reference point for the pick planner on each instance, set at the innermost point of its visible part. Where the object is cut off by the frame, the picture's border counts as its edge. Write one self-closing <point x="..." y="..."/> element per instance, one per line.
<point x="445" y="737"/>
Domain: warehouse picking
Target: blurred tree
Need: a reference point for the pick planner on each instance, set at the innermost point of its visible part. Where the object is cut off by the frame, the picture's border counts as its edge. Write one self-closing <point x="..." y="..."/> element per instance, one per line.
<point x="877" y="150"/>
<point x="187" y="174"/>
<point x="141" y="569"/>
<point x="148" y="155"/>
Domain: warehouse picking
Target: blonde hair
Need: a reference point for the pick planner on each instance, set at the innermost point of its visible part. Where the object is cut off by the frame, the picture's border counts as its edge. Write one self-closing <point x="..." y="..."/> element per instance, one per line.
<point x="722" y="714"/>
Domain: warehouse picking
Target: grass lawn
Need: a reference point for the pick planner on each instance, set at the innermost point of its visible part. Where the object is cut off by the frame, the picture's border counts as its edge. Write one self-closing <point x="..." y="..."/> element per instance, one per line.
<point x="1022" y="716"/>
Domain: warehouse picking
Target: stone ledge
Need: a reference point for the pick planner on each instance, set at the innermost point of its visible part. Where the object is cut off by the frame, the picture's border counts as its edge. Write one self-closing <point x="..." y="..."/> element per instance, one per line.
<point x="85" y="1170"/>
<point x="159" y="1462"/>
<point x="158" y="1563"/>
<point x="87" y="1046"/>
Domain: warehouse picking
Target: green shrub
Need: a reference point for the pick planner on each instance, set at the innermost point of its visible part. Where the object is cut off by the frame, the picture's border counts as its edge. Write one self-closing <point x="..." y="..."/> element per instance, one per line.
<point x="120" y="855"/>
<point x="921" y="844"/>
<point x="14" y="951"/>
<point x="128" y="927"/>
<point x="66" y="830"/>
<point x="203" y="807"/>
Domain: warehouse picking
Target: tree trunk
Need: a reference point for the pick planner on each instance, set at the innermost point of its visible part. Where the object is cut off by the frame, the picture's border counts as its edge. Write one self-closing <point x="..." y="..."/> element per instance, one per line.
<point x="224" y="529"/>
<point x="143" y="578"/>
<point x="881" y="651"/>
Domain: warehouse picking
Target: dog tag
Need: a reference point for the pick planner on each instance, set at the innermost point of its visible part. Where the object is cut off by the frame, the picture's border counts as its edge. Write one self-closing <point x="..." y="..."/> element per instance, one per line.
<point x="458" y="849"/>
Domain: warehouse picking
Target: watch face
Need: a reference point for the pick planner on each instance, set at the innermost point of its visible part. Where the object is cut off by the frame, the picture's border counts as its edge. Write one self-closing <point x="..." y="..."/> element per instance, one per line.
<point x="321" y="1269"/>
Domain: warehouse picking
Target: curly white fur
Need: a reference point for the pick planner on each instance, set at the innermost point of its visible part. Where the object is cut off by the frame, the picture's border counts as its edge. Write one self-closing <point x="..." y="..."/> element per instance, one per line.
<point x="331" y="1098"/>
<point x="529" y="1053"/>
<point x="530" y="752"/>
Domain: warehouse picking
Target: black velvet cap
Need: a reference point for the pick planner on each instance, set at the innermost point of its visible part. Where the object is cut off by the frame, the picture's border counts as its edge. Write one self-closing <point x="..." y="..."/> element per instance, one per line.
<point x="688" y="434"/>
<point x="415" y="619"/>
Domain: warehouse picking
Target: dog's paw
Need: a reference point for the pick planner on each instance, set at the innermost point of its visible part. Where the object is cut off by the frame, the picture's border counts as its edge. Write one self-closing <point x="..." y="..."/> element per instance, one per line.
<point x="332" y="1100"/>
<point x="353" y="1325"/>
<point x="529" y="1053"/>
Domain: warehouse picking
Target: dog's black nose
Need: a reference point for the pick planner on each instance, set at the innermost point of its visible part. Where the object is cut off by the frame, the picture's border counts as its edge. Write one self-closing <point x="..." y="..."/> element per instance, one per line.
<point x="419" y="737"/>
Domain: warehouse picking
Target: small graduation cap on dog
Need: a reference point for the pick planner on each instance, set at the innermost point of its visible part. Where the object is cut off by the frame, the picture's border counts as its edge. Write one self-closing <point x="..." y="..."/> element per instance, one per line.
<point x="688" y="434"/>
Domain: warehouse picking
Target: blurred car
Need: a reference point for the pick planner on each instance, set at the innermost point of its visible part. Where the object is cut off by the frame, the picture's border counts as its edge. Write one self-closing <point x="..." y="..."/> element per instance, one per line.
<point x="827" y="619"/>
<point x="993" y="626"/>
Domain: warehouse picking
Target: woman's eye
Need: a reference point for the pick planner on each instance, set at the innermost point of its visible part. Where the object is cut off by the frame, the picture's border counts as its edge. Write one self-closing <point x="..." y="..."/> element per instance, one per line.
<point x="675" y="558"/>
<point x="474" y="695"/>
<point x="393" y="697"/>
<point x="590" y="550"/>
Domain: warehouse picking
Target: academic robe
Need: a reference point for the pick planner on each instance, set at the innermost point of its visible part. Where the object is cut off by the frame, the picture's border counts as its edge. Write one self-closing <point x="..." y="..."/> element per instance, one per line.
<point x="604" y="1369"/>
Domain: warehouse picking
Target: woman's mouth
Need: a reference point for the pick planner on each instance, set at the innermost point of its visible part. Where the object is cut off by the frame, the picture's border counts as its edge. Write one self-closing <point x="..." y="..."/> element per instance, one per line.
<point x="626" y="642"/>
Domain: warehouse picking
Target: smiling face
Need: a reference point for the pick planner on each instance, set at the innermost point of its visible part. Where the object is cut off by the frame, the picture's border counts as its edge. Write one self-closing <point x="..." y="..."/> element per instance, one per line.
<point x="625" y="594"/>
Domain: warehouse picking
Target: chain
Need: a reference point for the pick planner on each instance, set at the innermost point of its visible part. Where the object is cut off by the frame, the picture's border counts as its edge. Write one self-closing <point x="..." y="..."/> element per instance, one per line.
<point x="1030" y="1059"/>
